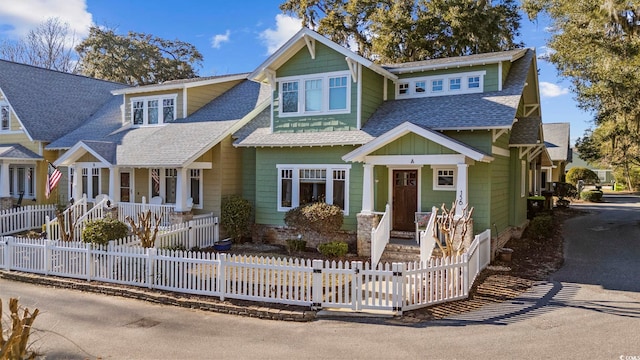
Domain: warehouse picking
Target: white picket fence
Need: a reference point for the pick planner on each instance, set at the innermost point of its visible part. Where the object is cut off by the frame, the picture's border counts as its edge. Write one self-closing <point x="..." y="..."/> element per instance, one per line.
<point x="319" y="284"/>
<point x="201" y="232"/>
<point x="24" y="218"/>
<point x="126" y="209"/>
<point x="380" y="236"/>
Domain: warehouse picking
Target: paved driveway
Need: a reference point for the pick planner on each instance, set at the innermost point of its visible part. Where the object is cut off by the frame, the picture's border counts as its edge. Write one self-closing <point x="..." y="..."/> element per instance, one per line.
<point x="590" y="310"/>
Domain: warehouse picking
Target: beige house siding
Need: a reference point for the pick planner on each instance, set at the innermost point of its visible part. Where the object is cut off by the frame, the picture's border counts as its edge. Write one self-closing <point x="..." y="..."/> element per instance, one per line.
<point x="141" y="177"/>
<point x="20" y="138"/>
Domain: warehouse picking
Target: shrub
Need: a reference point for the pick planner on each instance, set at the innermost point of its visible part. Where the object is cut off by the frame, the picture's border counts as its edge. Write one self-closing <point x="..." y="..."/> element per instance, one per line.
<point x="591" y="195"/>
<point x="102" y="231"/>
<point x="581" y="173"/>
<point x="564" y="190"/>
<point x="317" y="217"/>
<point x="334" y="249"/>
<point x="295" y="245"/>
<point x="540" y="227"/>
<point x="236" y="216"/>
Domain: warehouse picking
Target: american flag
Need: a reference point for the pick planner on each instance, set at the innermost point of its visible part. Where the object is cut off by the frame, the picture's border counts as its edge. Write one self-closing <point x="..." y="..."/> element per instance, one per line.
<point x="155" y="180"/>
<point x="52" y="179"/>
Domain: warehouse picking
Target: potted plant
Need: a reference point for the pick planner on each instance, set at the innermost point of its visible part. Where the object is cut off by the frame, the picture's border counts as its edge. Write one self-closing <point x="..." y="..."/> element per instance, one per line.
<point x="223" y="245"/>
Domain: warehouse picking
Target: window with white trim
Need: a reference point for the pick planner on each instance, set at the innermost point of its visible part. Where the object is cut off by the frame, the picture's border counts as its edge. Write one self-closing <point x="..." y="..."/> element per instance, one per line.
<point x="91" y="182"/>
<point x="458" y="83"/>
<point x="305" y="184"/>
<point x="315" y="94"/>
<point x="153" y="110"/>
<point x="195" y="187"/>
<point x="5" y="117"/>
<point x="22" y="178"/>
<point x="163" y="182"/>
<point x="444" y="178"/>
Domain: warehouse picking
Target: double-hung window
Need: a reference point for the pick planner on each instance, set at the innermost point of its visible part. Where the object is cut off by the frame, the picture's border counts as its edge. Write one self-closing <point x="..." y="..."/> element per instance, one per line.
<point x="153" y="110"/>
<point x="91" y="182"/>
<point x="5" y="118"/>
<point x="195" y="187"/>
<point x="315" y="94"/>
<point x="444" y="178"/>
<point x="305" y="184"/>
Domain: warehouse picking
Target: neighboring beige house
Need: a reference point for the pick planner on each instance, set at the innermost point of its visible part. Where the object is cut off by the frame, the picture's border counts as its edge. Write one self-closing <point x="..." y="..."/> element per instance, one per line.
<point x="556" y="140"/>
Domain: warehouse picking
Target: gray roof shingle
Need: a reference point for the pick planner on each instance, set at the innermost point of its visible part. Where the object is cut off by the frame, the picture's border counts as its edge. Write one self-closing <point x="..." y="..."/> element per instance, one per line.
<point x="448" y="61"/>
<point x="556" y="139"/>
<point x="50" y="103"/>
<point x="526" y="131"/>
<point x="17" y="151"/>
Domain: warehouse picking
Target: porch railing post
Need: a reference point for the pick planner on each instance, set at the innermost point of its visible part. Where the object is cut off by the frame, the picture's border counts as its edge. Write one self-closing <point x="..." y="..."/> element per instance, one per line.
<point x="220" y="276"/>
<point x="151" y="255"/>
<point x="192" y="234"/>
<point x="398" y="287"/>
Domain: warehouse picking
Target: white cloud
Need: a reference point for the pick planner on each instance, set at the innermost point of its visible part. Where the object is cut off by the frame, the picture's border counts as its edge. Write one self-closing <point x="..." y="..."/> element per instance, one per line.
<point x="286" y="27"/>
<point x="217" y="40"/>
<point x="548" y="89"/>
<point x="18" y="17"/>
<point x="544" y="52"/>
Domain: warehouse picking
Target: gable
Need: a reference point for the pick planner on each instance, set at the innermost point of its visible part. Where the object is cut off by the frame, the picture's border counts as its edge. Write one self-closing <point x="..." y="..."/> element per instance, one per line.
<point x="413" y="144"/>
<point x="327" y="60"/>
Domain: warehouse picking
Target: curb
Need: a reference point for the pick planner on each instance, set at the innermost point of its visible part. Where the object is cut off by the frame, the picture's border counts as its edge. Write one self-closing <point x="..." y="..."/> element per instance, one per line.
<point x="199" y="302"/>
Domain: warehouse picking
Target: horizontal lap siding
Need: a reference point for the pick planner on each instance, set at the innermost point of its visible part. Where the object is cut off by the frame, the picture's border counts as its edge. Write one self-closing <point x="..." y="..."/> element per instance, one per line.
<point x="267" y="179"/>
<point x="249" y="174"/>
<point x="372" y="93"/>
<point x="199" y="96"/>
<point x="412" y="144"/>
<point x="22" y="139"/>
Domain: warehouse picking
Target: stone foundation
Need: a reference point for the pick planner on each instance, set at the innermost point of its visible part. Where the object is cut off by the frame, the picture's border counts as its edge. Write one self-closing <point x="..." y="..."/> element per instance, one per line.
<point x="366" y="222"/>
<point x="278" y="235"/>
<point x="499" y="241"/>
<point x="6" y="203"/>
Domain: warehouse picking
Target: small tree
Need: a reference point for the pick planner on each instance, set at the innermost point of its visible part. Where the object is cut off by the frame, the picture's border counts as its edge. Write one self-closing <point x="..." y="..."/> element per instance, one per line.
<point x="454" y="229"/>
<point x="101" y="231"/>
<point x="143" y="229"/>
<point x="16" y="343"/>
<point x="236" y="216"/>
<point x="581" y="173"/>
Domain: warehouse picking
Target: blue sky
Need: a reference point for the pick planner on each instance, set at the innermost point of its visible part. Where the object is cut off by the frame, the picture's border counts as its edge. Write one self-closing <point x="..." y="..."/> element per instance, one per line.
<point x="236" y="36"/>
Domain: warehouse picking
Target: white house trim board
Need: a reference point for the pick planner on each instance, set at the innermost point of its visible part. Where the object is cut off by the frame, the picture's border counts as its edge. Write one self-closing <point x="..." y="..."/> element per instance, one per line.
<point x="403" y="160"/>
<point x="178" y="85"/>
<point x="496" y="133"/>
<point x="530" y="108"/>
<point x="72" y="155"/>
<point x="496" y="150"/>
<point x="24" y="129"/>
<point x="362" y="152"/>
<point x="311" y="45"/>
<point x="359" y="98"/>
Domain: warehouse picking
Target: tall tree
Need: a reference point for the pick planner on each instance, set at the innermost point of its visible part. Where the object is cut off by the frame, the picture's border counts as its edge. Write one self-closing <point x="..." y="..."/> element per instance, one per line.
<point x="137" y="58"/>
<point x="412" y="30"/>
<point x="49" y="45"/>
<point x="596" y="46"/>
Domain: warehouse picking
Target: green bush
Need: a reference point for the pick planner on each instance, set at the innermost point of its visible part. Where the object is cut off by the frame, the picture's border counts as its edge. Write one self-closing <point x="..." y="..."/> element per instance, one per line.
<point x="318" y="217"/>
<point x="581" y="173"/>
<point x="295" y="245"/>
<point x="102" y="231"/>
<point x="540" y="227"/>
<point x="591" y="195"/>
<point x="236" y="216"/>
<point x="334" y="249"/>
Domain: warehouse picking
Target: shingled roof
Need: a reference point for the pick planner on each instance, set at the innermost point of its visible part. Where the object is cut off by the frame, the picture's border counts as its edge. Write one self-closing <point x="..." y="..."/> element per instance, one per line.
<point x="17" y="151"/>
<point x="50" y="103"/>
<point x="556" y="139"/>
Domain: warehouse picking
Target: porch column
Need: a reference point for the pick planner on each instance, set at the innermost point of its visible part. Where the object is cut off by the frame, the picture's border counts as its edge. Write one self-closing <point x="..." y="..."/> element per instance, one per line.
<point x="462" y="185"/>
<point x="4" y="180"/>
<point x="181" y="190"/>
<point x="367" y="189"/>
<point x="114" y="183"/>
<point x="76" y="186"/>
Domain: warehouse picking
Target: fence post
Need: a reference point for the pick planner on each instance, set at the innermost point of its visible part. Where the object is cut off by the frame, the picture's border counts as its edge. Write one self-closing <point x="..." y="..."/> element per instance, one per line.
<point x="316" y="285"/>
<point x="220" y="276"/>
<point x="87" y="262"/>
<point x="47" y="221"/>
<point x="151" y="254"/>
<point x="216" y="230"/>
<point x="47" y="257"/>
<point x="356" y="286"/>
<point x="6" y="252"/>
<point x="466" y="276"/>
<point x="398" y="287"/>
<point x="192" y="235"/>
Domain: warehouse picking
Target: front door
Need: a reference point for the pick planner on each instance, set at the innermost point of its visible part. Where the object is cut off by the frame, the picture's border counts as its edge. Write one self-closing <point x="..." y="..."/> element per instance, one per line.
<point x="405" y="199"/>
<point x="125" y="186"/>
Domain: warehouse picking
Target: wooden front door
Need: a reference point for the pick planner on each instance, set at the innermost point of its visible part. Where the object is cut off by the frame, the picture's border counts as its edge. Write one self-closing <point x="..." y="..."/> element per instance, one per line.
<point x="125" y="186"/>
<point x="405" y="199"/>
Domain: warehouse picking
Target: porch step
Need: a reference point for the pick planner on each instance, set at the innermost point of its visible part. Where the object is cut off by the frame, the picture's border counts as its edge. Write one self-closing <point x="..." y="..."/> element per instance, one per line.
<point x="401" y="250"/>
<point x="398" y="234"/>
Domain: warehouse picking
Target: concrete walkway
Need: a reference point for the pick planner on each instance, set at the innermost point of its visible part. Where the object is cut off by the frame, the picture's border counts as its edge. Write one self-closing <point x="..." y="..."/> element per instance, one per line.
<point x="590" y="309"/>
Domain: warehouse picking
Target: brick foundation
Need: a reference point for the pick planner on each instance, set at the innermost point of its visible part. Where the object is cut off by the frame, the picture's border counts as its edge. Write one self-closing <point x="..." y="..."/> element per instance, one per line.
<point x="366" y="222"/>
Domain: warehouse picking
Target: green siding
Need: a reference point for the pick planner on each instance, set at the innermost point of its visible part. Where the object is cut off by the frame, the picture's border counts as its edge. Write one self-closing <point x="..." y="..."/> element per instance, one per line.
<point x="267" y="179"/>
<point x="479" y="139"/>
<point x="490" y="78"/>
<point x="412" y="144"/>
<point x="327" y="60"/>
<point x="506" y="66"/>
<point x="500" y="193"/>
<point x="518" y="214"/>
<point x="372" y="93"/>
<point x="381" y="186"/>
<point x="249" y="174"/>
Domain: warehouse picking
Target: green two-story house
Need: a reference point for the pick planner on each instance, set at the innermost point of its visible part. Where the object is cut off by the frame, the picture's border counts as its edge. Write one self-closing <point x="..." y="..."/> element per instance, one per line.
<point x="344" y="130"/>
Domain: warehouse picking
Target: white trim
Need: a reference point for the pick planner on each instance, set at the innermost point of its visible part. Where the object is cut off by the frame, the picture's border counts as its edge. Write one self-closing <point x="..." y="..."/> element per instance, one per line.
<point x="359" y="154"/>
<point x="200" y="165"/>
<point x="359" y="98"/>
<point x="311" y="45"/>
<point x="295" y="183"/>
<point x="496" y="150"/>
<point x="179" y="85"/>
<point x="496" y="133"/>
<point x="73" y="154"/>
<point x="22" y="127"/>
<point x="500" y="76"/>
<point x="184" y="103"/>
<point x="418" y="160"/>
<point x="325" y="78"/>
<point x="436" y="186"/>
<point x="446" y="79"/>
<point x="461" y="61"/>
<point x="11" y="169"/>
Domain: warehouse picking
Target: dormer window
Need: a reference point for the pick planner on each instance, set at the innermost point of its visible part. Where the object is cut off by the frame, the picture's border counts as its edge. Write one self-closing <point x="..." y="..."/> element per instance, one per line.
<point x="443" y="84"/>
<point x="5" y="114"/>
<point x="153" y="110"/>
<point x="315" y="94"/>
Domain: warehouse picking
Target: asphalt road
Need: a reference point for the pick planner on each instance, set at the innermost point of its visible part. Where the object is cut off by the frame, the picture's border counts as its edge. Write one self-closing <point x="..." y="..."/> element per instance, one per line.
<point x="589" y="310"/>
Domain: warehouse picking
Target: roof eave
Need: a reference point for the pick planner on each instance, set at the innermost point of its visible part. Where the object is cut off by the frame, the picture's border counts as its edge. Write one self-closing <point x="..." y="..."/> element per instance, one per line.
<point x="460" y="64"/>
<point x="179" y="86"/>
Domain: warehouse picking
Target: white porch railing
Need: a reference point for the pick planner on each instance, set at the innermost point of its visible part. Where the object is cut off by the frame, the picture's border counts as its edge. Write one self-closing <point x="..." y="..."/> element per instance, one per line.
<point x="380" y="236"/>
<point x="25" y="218"/>
<point x="133" y="209"/>
<point x="352" y="285"/>
<point x="71" y="216"/>
<point x="426" y="239"/>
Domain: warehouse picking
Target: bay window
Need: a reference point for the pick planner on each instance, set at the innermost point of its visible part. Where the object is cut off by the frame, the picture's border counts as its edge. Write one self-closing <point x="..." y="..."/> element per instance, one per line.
<point x="315" y="94"/>
<point x="304" y="184"/>
<point x="153" y="110"/>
